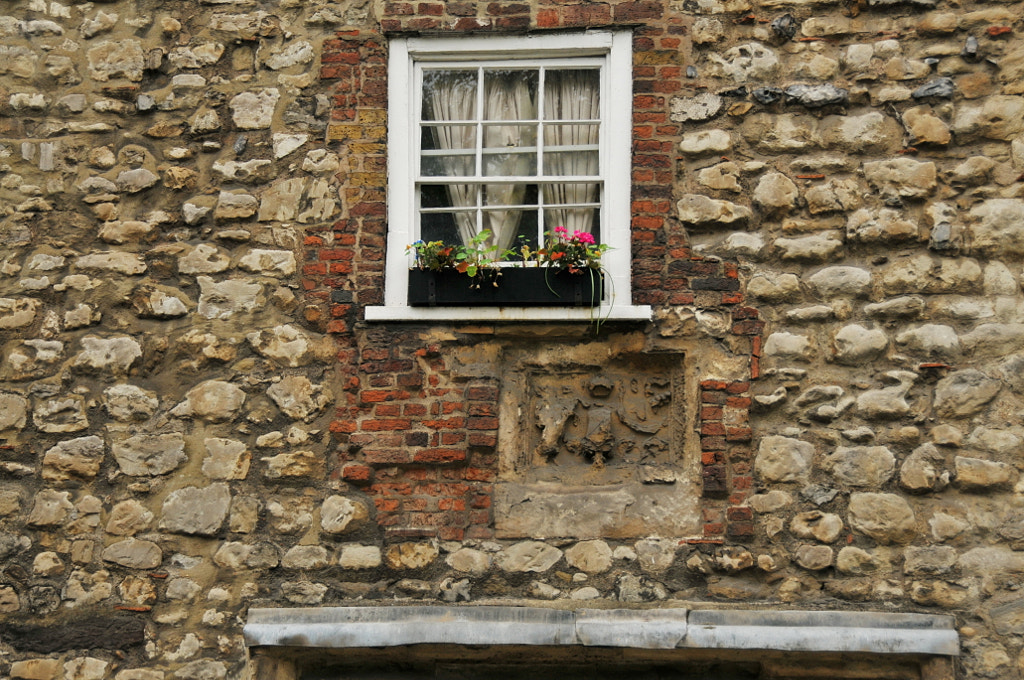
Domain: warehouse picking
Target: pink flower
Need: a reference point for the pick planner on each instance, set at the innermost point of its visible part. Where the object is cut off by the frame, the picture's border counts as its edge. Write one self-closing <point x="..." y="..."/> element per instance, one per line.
<point x="561" y="230"/>
<point x="584" y="237"/>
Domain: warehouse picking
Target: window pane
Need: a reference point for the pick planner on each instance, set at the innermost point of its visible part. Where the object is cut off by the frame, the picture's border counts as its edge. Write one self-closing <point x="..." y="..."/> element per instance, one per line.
<point x="510" y="94"/>
<point x="573" y="94"/>
<point x="449" y="94"/>
<point x="513" y="228"/>
<point x="510" y="150"/>
<point x="565" y="207"/>
<point x="571" y="150"/>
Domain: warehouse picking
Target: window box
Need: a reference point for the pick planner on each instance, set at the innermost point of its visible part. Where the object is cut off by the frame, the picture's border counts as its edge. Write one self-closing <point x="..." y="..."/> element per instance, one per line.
<point x="517" y="287"/>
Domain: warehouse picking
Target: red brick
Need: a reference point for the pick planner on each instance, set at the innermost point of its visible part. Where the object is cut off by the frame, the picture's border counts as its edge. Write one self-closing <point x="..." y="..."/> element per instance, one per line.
<point x="482" y="423"/>
<point x="382" y="424"/>
<point x="439" y="456"/>
<point x="386" y="456"/>
<point x="483" y="440"/>
<point x="357" y="473"/>
<point x="479" y="475"/>
<point x="739" y="514"/>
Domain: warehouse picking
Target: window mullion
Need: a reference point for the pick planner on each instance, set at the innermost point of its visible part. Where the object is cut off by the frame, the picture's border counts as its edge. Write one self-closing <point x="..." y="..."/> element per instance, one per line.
<point x="479" y="167"/>
<point x="541" y="114"/>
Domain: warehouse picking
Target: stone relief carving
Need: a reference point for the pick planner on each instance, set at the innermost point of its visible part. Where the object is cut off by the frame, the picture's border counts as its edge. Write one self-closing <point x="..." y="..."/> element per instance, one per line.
<point x="622" y="415"/>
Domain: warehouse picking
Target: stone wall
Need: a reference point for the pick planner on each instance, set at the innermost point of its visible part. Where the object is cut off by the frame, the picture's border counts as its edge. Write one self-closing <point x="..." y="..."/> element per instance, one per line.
<point x="195" y="417"/>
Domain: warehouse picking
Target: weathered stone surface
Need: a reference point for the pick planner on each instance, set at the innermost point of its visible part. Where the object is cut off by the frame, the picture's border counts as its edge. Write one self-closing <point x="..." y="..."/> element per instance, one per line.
<point x="276" y="263"/>
<point x="79" y="457"/>
<point x="18" y="312"/>
<point x="862" y="466"/>
<point x="749" y="62"/>
<point x="929" y="561"/>
<point x="531" y="556"/>
<point x="785" y="133"/>
<point x="226" y="458"/>
<point x="783" y="459"/>
<point x="902" y="177"/>
<point x="871" y="132"/>
<point x="13" y="411"/>
<point x="150" y="454"/>
<point x="815" y="248"/>
<point x="339" y="514"/>
<point x="287" y="345"/>
<point x="212" y="400"/>
<point x="410" y="555"/>
<point x="87" y="632"/>
<point x="935" y="341"/>
<point x="356" y="556"/>
<point x="775" y="288"/>
<point x="36" y="669"/>
<point x="788" y="346"/>
<point x="964" y="393"/>
<point x="50" y="508"/>
<point x="196" y="511"/>
<point x="705" y="142"/>
<point x="254" y="110"/>
<point x="924" y="470"/>
<point x="203" y="669"/>
<point x="294" y="464"/>
<point x="821" y="526"/>
<point x="926" y="127"/>
<point x="204" y="259"/>
<point x="305" y="557"/>
<point x="112" y="261"/>
<point x="882" y="226"/>
<point x="700" y="212"/>
<point x="814" y="557"/>
<point x="126" y="402"/>
<point x="995" y="226"/>
<point x="976" y="474"/>
<point x="701" y="107"/>
<point x="224" y="299"/>
<point x="592" y="557"/>
<point x="128" y="518"/>
<point x="112" y="58"/>
<point x="856" y="345"/>
<point x="134" y="554"/>
<point x="469" y="561"/>
<point x="299" y="398"/>
<point x="61" y="414"/>
<point x="776" y="194"/>
<point x="115" y="355"/>
<point x="885" y="517"/>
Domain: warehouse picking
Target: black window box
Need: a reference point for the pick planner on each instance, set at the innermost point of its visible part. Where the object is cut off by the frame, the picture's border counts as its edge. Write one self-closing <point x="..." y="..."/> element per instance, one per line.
<point x="516" y="287"/>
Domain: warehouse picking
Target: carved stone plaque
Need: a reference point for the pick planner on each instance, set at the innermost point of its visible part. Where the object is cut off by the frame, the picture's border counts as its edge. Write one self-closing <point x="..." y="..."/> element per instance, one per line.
<point x="596" y="450"/>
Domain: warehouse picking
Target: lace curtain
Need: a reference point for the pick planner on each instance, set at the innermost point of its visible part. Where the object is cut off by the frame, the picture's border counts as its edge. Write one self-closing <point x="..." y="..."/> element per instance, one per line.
<point x="568" y="95"/>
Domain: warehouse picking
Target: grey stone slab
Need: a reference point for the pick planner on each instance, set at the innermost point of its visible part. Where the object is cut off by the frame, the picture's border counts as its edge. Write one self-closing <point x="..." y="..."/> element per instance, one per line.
<point x="823" y="632"/>
<point x="803" y="631"/>
<point x="639" y="629"/>
<point x="392" y="626"/>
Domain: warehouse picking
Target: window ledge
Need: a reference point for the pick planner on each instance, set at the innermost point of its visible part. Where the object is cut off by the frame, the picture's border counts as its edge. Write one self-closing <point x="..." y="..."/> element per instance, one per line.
<point x="670" y="628"/>
<point x="534" y="314"/>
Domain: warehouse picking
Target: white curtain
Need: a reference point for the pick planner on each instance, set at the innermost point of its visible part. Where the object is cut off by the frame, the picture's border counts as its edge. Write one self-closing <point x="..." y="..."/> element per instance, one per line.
<point x="571" y="95"/>
<point x="507" y="97"/>
<point x="452" y="96"/>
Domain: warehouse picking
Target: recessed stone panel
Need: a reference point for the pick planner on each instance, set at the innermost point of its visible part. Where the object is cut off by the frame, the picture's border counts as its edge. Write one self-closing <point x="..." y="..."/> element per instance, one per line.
<point x="595" y="451"/>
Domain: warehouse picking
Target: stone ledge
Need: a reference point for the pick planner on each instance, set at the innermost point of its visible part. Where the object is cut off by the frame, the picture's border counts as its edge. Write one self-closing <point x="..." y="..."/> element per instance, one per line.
<point x="797" y="631"/>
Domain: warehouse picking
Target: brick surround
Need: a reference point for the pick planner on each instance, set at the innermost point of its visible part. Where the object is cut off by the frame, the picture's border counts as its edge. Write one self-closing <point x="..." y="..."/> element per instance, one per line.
<point x="416" y="437"/>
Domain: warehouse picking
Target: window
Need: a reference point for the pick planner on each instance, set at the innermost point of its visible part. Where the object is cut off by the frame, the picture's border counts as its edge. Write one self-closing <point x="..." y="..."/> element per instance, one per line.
<point x="514" y="135"/>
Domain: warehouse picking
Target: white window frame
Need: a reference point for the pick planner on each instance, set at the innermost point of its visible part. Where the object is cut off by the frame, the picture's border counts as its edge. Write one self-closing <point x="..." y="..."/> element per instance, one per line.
<point x="615" y="47"/>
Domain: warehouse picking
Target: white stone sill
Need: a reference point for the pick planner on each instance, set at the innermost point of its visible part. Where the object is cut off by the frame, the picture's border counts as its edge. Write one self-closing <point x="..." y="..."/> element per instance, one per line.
<point x="383" y="313"/>
<point x="668" y="628"/>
